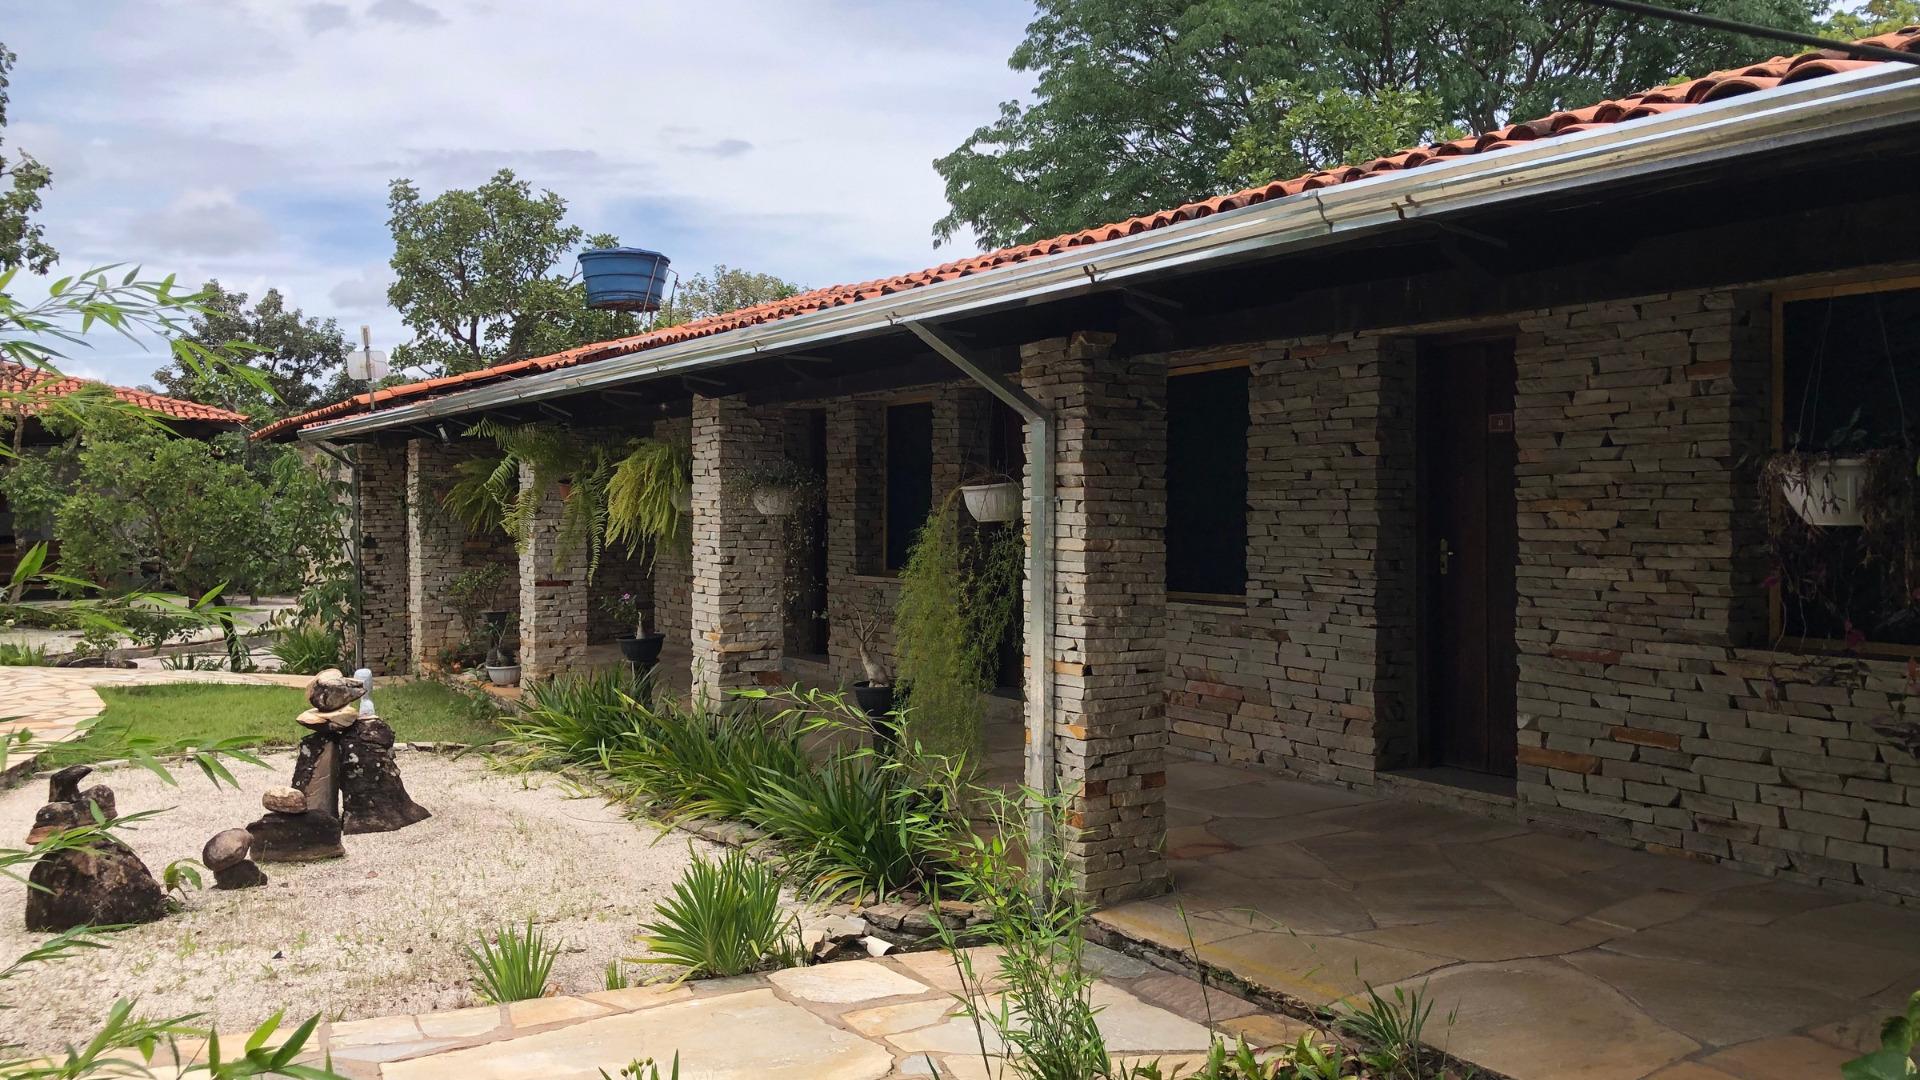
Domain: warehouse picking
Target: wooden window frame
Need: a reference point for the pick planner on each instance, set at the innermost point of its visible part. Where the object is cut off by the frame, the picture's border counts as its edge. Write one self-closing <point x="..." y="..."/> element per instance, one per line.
<point x="1222" y="599"/>
<point x="1777" y="434"/>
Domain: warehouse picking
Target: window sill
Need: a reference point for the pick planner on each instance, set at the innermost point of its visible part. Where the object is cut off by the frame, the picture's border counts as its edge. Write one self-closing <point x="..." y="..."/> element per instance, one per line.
<point x="1208" y="600"/>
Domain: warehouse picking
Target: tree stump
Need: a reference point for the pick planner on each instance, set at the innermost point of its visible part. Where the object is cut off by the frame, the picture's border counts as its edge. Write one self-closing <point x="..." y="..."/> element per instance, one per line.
<point x="372" y="796"/>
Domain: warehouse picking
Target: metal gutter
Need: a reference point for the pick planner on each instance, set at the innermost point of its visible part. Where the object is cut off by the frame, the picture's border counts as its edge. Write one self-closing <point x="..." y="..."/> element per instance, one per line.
<point x="1040" y="543"/>
<point x="1827" y="108"/>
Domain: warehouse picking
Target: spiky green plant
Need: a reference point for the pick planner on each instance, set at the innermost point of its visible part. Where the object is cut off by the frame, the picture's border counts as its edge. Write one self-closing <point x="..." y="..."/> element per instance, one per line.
<point x="514" y="966"/>
<point x="724" y="918"/>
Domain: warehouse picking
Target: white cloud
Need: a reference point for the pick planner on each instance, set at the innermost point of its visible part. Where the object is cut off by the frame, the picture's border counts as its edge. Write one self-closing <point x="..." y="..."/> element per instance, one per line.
<point x="205" y="222"/>
<point x="253" y="140"/>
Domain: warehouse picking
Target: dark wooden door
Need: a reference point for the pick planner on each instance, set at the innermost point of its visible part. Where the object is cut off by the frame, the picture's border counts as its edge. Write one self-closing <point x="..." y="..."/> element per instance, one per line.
<point x="1468" y="551"/>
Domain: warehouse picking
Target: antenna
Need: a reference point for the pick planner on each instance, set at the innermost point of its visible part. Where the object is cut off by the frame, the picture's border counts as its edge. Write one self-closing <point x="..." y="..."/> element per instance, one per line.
<point x="368" y="365"/>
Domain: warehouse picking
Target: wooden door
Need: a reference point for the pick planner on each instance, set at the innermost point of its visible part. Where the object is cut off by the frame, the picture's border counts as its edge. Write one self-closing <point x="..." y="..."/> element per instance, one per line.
<point x="1468" y="551"/>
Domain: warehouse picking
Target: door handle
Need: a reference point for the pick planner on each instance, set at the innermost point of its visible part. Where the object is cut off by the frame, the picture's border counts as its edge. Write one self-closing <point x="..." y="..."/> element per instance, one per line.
<point x="1446" y="556"/>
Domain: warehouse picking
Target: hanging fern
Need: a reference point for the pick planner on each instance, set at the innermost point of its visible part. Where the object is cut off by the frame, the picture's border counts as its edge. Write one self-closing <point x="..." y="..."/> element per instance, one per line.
<point x="646" y="495"/>
<point x="472" y="499"/>
<point x="554" y="456"/>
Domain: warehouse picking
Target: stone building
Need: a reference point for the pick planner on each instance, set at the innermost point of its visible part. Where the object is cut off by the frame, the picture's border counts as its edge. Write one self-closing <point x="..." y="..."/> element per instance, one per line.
<point x="1436" y="476"/>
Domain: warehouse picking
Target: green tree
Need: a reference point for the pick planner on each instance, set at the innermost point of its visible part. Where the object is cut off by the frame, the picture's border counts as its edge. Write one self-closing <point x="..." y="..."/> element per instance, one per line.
<point x="21" y="240"/>
<point x="1290" y="131"/>
<point x="300" y="358"/>
<point x="1871" y="19"/>
<point x="144" y="498"/>
<point x="1137" y="103"/>
<point x="475" y="276"/>
<point x="723" y="289"/>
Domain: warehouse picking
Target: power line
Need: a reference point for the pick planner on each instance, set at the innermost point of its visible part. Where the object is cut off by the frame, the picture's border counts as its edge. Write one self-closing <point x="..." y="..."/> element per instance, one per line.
<point x="1714" y="22"/>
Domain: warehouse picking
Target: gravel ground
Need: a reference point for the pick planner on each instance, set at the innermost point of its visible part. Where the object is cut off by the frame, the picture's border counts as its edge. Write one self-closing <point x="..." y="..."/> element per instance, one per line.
<point x="378" y="932"/>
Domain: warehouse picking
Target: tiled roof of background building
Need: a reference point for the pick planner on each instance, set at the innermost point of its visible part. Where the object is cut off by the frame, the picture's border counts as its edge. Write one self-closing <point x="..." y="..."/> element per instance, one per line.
<point x="1713" y="87"/>
<point x="31" y="382"/>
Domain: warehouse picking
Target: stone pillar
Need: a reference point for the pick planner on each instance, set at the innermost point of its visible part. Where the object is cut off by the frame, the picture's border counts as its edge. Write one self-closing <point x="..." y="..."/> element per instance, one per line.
<point x="553" y="593"/>
<point x="1110" y="608"/>
<point x="384" y="625"/>
<point x="434" y="552"/>
<point x="737" y="552"/>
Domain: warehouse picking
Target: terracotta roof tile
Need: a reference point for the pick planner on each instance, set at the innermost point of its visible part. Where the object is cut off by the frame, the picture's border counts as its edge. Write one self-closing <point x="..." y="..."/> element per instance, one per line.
<point x="21" y="379"/>
<point x="1660" y="99"/>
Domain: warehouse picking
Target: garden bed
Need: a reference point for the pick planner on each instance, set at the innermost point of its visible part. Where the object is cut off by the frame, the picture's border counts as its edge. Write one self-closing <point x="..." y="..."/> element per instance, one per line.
<point x="379" y="932"/>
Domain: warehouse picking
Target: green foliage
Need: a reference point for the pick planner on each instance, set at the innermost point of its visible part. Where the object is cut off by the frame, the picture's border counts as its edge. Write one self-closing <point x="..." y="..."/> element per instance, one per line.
<point x="1871" y="19"/>
<point x="724" y="918"/>
<point x="22" y="241"/>
<point x="1389" y="1030"/>
<point x="646" y="493"/>
<point x="556" y="457"/>
<point x="301" y="359"/>
<point x="1894" y="1059"/>
<point x="180" y="876"/>
<point x="719" y="291"/>
<point x="615" y="976"/>
<point x="1291" y="131"/>
<point x="576" y="717"/>
<point x="309" y="649"/>
<point x="478" y="590"/>
<point x="514" y="966"/>
<point x="958" y="594"/>
<point x="12" y="655"/>
<point x="1136" y="103"/>
<point x="700" y="762"/>
<point x="1044" y="1010"/>
<point x="147" y="498"/>
<point x="644" y="1069"/>
<point x="474" y="280"/>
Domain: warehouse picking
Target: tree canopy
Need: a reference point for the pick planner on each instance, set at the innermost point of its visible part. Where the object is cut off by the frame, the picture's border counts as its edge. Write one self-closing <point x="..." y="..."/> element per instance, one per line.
<point x="721" y="290"/>
<point x="300" y="357"/>
<point x="476" y="279"/>
<point x="22" y="242"/>
<point x="1144" y="104"/>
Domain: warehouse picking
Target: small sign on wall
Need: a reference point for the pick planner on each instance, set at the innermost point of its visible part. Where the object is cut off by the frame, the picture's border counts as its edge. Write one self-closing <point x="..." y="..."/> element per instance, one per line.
<point x="1500" y="423"/>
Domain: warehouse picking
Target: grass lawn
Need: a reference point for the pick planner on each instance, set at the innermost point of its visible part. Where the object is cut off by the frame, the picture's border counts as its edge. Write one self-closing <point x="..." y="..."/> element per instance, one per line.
<point x="422" y="711"/>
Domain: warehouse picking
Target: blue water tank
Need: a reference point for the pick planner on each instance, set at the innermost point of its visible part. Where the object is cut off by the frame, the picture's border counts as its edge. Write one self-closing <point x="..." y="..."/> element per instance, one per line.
<point x="624" y="278"/>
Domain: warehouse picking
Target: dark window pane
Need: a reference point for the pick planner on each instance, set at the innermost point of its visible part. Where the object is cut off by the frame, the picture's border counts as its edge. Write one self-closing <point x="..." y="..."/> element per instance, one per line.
<point x="909" y="477"/>
<point x="1207" y="482"/>
<point x="1849" y="364"/>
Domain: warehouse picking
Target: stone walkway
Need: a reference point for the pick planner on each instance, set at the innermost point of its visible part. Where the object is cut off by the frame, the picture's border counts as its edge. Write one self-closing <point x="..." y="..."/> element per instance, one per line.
<point x="53" y="702"/>
<point x="1565" y="958"/>
<point x="854" y="1020"/>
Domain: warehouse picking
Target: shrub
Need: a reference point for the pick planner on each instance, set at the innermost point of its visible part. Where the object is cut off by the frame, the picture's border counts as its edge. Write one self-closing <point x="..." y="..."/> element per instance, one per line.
<point x="859" y="827"/>
<point x="513" y="966"/>
<point x="695" y="761"/>
<point x="574" y="718"/>
<point x="12" y="655"/>
<point x="724" y="918"/>
<point x="308" y="649"/>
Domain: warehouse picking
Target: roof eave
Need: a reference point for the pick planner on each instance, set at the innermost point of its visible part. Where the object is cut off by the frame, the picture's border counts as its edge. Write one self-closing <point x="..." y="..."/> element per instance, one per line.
<point x="1835" y="107"/>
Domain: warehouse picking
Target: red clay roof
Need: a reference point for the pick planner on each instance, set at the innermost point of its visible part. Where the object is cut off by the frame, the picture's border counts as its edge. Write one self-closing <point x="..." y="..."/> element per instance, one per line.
<point x="1720" y="84"/>
<point x="21" y="379"/>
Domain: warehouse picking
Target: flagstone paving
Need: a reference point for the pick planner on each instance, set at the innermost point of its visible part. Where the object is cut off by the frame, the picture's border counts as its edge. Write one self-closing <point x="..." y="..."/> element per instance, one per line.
<point x="53" y="703"/>
<point x="854" y="1020"/>
<point x="1556" y="956"/>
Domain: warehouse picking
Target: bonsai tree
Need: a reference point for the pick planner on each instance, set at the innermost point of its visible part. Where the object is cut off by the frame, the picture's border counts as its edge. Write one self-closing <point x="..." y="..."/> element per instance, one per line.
<point x="866" y="628"/>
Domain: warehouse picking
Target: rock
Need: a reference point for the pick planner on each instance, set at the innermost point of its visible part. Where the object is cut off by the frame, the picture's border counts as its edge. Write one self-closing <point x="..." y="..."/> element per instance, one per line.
<point x="308" y="837"/>
<point x="330" y="720"/>
<point x="226" y="848"/>
<point x="284" y="800"/>
<point x="57" y="817"/>
<point x="105" y="884"/>
<point x="316" y="773"/>
<point x="64" y="787"/>
<point x="331" y="691"/>
<point x="372" y="796"/>
<point x="241" y="875"/>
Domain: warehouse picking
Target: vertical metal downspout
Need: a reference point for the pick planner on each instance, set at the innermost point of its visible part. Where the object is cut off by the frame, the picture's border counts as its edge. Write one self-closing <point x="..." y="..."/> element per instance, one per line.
<point x="359" y="569"/>
<point x="1039" y="758"/>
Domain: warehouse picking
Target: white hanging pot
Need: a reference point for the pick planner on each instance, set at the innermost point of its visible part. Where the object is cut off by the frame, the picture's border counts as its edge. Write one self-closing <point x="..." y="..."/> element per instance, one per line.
<point x="1828" y="491"/>
<point x="773" y="501"/>
<point x="992" y="502"/>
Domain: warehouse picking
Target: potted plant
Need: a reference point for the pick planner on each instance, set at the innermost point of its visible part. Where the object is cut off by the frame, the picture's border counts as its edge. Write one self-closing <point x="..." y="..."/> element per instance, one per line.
<point x="642" y="646"/>
<point x="1826" y="487"/>
<point x="477" y="595"/>
<point x="992" y="498"/>
<point x="503" y="668"/>
<point x="874" y="694"/>
<point x="778" y="487"/>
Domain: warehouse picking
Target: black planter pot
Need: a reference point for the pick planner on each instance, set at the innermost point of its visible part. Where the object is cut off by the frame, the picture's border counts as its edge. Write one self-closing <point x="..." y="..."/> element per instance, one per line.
<point x="877" y="703"/>
<point x="643" y="651"/>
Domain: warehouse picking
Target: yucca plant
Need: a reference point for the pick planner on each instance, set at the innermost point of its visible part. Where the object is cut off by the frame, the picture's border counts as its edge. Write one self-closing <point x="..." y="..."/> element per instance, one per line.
<point x="514" y="966"/>
<point x="858" y="826"/>
<point x="694" y="761"/>
<point x="307" y="649"/>
<point x="724" y="918"/>
<point x="574" y="718"/>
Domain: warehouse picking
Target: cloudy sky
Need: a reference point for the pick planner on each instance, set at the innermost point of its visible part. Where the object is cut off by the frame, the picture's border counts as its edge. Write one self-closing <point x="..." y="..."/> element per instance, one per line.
<point x="253" y="140"/>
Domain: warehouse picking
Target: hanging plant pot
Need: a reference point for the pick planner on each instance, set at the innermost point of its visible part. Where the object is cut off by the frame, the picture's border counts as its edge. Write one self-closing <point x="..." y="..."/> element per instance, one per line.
<point x="1828" y="491"/>
<point x="773" y="501"/>
<point x="992" y="503"/>
<point x="565" y="488"/>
